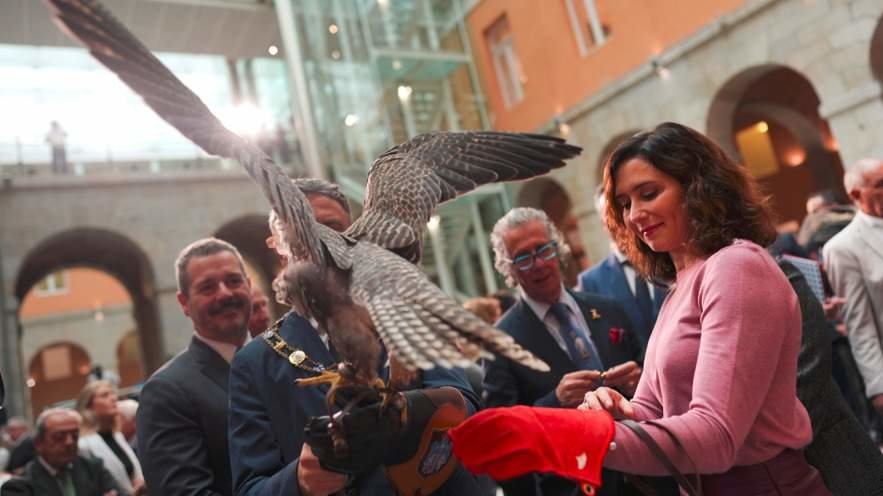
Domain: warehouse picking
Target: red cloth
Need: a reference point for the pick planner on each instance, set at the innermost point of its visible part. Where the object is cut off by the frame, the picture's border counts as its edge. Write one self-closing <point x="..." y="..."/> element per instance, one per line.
<point x="508" y="442"/>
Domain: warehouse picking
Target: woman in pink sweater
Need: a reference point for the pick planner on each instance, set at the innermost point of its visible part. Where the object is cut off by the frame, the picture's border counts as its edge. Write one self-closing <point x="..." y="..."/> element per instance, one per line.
<point x="721" y="365"/>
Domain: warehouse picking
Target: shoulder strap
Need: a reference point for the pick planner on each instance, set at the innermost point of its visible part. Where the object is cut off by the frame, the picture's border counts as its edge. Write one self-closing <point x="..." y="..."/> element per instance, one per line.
<point x="680" y="478"/>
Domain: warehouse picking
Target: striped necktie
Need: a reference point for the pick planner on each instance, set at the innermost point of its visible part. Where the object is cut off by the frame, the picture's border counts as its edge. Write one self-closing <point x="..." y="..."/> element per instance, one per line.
<point x="579" y="345"/>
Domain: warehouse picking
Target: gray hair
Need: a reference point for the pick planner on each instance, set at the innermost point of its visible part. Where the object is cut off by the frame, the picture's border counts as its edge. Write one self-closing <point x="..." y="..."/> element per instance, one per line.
<point x="197" y="249"/>
<point x="855" y="176"/>
<point x="514" y="218"/>
<point x="40" y="424"/>
<point x="127" y="408"/>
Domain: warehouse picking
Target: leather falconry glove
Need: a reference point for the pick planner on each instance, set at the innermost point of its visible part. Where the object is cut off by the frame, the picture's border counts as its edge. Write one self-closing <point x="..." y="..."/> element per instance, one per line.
<point x="408" y="438"/>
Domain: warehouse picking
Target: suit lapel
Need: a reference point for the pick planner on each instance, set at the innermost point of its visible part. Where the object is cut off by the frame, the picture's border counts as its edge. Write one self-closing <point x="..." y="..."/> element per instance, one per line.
<point x="44" y="482"/>
<point x="599" y="329"/>
<point x="622" y="294"/>
<point x="867" y="238"/>
<point x="533" y="335"/>
<point x="211" y="363"/>
<point x="82" y="482"/>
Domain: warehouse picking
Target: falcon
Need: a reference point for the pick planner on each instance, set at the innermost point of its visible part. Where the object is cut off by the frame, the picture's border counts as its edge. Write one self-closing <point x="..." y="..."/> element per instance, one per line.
<point x="364" y="282"/>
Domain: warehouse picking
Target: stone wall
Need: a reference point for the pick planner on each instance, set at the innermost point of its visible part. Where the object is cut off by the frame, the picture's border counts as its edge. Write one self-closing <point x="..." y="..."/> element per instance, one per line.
<point x="827" y="41"/>
<point x="149" y="218"/>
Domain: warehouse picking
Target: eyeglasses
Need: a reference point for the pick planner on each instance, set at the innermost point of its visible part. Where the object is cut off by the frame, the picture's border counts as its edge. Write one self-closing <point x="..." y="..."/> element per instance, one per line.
<point x="546" y="252"/>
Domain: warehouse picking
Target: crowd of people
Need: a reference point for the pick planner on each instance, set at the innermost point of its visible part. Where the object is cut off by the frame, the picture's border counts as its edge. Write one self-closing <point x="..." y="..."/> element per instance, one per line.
<point x="719" y="348"/>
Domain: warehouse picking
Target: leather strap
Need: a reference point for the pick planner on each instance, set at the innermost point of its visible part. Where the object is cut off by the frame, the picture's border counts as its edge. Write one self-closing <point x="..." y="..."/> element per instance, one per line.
<point x="680" y="478"/>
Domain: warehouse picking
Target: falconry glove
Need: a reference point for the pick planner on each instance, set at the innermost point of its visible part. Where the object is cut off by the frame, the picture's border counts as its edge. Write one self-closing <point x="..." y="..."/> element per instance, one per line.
<point x="408" y="437"/>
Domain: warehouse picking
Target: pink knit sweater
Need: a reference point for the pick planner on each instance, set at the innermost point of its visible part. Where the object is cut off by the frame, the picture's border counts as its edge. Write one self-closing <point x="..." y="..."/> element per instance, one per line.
<point x="721" y="369"/>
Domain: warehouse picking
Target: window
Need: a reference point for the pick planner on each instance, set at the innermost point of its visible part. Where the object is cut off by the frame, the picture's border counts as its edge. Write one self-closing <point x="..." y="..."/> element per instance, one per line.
<point x="53" y="284"/>
<point x="506" y="65"/>
<point x="586" y="24"/>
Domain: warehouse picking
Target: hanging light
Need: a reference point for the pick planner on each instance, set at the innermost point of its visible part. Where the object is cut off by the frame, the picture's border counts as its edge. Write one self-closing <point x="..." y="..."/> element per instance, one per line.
<point x="273" y="50"/>
<point x="404" y="93"/>
<point x="351" y="120"/>
<point x="332" y="28"/>
<point x="433" y="224"/>
<point x="661" y="71"/>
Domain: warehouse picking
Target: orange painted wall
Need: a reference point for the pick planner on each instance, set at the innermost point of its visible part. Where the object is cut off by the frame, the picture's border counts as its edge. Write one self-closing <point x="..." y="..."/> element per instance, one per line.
<point x="87" y="289"/>
<point x="558" y="77"/>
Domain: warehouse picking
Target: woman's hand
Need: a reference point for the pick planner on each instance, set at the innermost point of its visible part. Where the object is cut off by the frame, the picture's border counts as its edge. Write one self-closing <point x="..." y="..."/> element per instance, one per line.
<point x="624" y="377"/>
<point x="609" y="400"/>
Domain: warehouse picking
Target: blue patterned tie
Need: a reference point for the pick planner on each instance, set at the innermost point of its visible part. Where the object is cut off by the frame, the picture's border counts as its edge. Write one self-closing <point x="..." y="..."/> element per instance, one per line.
<point x="579" y="346"/>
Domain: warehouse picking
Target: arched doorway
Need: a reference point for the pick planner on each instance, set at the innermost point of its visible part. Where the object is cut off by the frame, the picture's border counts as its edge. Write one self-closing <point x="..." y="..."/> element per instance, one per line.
<point x="88" y="308"/>
<point x="56" y="372"/>
<point x="248" y="235"/>
<point x="767" y="118"/>
<point x="547" y="195"/>
<point x="607" y="150"/>
<point x="113" y="254"/>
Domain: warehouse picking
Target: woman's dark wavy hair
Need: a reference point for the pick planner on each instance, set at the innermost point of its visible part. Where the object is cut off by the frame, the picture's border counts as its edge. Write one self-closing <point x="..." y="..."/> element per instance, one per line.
<point x="721" y="198"/>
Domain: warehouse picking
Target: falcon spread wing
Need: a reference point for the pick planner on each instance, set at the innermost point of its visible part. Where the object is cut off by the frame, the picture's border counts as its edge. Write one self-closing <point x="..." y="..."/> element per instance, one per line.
<point x="115" y="47"/>
<point x="408" y="182"/>
<point x="418" y="323"/>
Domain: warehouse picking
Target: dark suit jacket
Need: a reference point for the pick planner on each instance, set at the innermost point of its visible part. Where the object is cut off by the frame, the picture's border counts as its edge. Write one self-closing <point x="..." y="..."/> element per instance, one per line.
<point x="507" y="383"/>
<point x="22" y="454"/>
<point x="182" y="425"/>
<point x="268" y="413"/>
<point x="608" y="279"/>
<point x="89" y="476"/>
<point x="841" y="450"/>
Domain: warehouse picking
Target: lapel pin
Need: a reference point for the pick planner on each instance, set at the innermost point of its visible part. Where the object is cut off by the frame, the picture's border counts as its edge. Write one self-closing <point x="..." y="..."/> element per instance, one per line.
<point x="595" y="314"/>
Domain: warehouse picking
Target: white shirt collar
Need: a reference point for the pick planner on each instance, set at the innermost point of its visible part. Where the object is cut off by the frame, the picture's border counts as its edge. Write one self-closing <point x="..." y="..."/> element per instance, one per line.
<point x="226" y="350"/>
<point x="619" y="255"/>
<point x="541" y="309"/>
<point x="49" y="468"/>
<point x="870" y="220"/>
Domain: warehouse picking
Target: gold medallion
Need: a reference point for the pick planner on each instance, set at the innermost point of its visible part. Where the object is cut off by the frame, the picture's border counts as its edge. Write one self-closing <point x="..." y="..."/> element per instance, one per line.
<point x="297" y="357"/>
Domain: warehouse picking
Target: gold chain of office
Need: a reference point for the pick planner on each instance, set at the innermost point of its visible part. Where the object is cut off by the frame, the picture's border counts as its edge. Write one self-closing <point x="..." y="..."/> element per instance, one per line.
<point x="297" y="357"/>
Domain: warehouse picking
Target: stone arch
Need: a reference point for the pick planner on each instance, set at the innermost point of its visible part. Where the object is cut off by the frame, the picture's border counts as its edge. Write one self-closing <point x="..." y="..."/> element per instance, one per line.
<point x="772" y="110"/>
<point x="611" y="145"/>
<point x="57" y="372"/>
<point x="109" y="252"/>
<point x="549" y="196"/>
<point x="876" y="52"/>
<point x="248" y="234"/>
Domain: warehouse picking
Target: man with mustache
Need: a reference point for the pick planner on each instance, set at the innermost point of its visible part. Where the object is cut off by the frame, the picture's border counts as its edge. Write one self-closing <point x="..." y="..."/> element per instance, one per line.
<point x="182" y="417"/>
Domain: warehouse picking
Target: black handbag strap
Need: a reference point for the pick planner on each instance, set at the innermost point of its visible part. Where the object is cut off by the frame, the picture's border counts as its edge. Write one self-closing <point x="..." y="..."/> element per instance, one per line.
<point x="682" y="480"/>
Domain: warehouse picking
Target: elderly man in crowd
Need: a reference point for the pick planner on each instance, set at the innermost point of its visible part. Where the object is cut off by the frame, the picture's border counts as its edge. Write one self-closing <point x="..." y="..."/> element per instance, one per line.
<point x="585" y="338"/>
<point x="854" y="263"/>
<point x="58" y="470"/>
<point x="182" y="417"/>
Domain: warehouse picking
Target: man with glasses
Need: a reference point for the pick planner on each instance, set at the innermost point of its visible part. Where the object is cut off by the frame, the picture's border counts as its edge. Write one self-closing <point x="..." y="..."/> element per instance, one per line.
<point x="585" y="338"/>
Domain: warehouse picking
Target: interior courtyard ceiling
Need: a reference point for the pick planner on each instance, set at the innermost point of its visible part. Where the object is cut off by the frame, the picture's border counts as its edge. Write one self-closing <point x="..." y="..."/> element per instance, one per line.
<point x="230" y="28"/>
